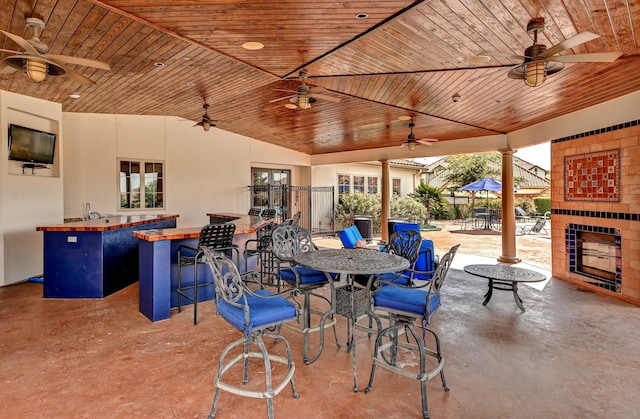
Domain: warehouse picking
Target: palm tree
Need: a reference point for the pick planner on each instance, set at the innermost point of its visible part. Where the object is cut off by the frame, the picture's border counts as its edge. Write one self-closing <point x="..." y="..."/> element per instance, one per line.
<point x="428" y="196"/>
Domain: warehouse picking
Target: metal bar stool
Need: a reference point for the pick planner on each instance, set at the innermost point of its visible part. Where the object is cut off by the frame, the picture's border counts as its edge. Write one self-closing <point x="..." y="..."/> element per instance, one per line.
<point x="218" y="237"/>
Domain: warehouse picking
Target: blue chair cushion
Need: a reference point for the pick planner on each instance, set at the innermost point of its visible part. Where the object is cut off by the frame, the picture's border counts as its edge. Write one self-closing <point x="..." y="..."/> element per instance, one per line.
<point x="425" y="254"/>
<point x="262" y="311"/>
<point x="350" y="237"/>
<point x="409" y="300"/>
<point x="307" y="275"/>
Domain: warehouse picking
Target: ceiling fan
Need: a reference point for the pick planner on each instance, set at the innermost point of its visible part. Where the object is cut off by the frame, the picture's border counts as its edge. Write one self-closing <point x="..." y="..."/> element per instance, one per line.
<point x="412" y="142"/>
<point x="35" y="61"/>
<point x="304" y="96"/>
<point x="538" y="62"/>
<point x="206" y="122"/>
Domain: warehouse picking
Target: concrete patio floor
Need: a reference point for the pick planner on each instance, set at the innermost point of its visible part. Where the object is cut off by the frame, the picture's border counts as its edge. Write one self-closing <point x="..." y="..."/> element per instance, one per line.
<point x="573" y="353"/>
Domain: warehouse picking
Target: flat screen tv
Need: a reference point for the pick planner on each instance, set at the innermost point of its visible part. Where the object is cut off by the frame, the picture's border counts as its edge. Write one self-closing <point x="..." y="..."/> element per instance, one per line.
<point x="31" y="145"/>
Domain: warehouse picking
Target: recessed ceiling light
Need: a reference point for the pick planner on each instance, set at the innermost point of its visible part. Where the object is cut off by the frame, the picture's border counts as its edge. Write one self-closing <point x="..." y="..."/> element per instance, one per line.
<point x="362" y="15"/>
<point x="74" y="95"/>
<point x="404" y="118"/>
<point x="159" y="64"/>
<point x="252" y="46"/>
<point x="190" y="84"/>
<point x="291" y="106"/>
<point x="480" y="59"/>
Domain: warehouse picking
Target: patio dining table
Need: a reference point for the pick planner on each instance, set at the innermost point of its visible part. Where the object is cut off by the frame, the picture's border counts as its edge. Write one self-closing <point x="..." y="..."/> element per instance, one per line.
<point x="351" y="262"/>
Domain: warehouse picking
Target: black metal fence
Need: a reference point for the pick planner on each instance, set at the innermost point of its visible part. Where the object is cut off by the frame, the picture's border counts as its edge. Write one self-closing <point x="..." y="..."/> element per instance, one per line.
<point x="315" y="203"/>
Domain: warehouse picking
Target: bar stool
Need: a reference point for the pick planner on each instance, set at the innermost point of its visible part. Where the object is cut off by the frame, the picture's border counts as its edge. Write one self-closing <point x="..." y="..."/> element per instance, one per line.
<point x="217" y="237"/>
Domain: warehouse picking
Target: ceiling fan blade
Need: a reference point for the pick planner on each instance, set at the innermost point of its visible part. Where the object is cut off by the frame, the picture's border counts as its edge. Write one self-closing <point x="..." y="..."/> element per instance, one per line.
<point x="502" y="55"/>
<point x="66" y="59"/>
<point x="79" y="78"/>
<point x="574" y="41"/>
<point x="21" y="42"/>
<point x="10" y="50"/>
<point x="493" y="72"/>
<point x="427" y="141"/>
<point x="281" y="98"/>
<point x="326" y="97"/>
<point x="286" y="90"/>
<point x="598" y="57"/>
<point x="7" y="70"/>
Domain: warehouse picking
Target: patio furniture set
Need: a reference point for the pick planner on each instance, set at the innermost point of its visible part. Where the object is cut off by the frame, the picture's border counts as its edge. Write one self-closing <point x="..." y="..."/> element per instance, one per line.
<point x="399" y="281"/>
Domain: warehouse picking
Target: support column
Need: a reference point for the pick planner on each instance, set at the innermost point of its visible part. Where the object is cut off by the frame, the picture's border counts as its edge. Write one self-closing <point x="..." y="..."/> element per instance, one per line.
<point x="386" y="201"/>
<point x="508" y="210"/>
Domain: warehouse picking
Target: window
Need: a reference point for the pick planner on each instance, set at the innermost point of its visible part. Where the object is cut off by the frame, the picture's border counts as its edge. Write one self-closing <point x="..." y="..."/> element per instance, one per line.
<point x="269" y="188"/>
<point x="358" y="184"/>
<point x="395" y="186"/>
<point x="344" y="185"/>
<point x="372" y="185"/>
<point x="141" y="179"/>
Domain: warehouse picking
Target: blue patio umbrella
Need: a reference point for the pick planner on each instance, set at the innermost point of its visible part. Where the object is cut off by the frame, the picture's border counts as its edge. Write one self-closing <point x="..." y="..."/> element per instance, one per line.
<point x="485" y="184"/>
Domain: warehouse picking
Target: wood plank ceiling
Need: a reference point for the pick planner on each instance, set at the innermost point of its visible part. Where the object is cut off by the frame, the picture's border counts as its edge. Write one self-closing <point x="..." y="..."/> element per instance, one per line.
<point x="404" y="59"/>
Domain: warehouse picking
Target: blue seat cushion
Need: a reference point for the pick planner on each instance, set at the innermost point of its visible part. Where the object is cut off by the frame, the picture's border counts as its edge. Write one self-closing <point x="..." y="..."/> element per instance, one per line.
<point x="350" y="237"/>
<point x="307" y="275"/>
<point x="262" y="311"/>
<point x="409" y="300"/>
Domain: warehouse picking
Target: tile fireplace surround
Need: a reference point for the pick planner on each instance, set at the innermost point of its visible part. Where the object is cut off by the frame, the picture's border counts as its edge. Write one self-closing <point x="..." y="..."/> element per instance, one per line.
<point x="596" y="185"/>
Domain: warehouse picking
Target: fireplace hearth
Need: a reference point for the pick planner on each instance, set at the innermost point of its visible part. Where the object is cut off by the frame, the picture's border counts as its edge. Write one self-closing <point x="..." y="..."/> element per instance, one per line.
<point x="594" y="253"/>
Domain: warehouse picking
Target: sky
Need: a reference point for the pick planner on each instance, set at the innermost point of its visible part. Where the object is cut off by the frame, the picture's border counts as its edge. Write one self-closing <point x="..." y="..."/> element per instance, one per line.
<point x="540" y="155"/>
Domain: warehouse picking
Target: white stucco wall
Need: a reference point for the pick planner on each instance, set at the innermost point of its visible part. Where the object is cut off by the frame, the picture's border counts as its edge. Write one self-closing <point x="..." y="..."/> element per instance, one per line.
<point x="204" y="171"/>
<point x="27" y="200"/>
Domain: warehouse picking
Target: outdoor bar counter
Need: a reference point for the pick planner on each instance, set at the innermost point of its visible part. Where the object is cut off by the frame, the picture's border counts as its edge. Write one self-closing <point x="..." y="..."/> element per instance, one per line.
<point x="94" y="258"/>
<point x="159" y="266"/>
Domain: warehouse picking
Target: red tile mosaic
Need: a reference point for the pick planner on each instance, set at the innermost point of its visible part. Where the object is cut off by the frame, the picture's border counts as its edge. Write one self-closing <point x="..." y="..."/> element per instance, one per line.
<point x="593" y="176"/>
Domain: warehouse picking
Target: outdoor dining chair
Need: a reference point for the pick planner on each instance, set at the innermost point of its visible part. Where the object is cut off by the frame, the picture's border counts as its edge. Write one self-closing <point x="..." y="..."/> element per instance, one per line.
<point x="427" y="259"/>
<point x="287" y="242"/>
<point x="254" y="313"/>
<point x="260" y="247"/>
<point x="406" y="306"/>
<point x="214" y="236"/>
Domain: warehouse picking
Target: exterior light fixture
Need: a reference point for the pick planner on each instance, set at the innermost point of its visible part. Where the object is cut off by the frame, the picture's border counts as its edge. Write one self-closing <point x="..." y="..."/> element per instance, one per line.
<point x="304" y="102"/>
<point x="535" y="73"/>
<point x="36" y="70"/>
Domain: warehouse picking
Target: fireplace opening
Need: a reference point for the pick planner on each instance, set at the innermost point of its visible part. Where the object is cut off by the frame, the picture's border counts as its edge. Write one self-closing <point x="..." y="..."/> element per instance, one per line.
<point x="596" y="255"/>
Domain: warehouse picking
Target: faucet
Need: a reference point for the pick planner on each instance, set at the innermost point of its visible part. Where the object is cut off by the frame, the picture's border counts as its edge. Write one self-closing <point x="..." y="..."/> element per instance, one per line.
<point x="91" y="215"/>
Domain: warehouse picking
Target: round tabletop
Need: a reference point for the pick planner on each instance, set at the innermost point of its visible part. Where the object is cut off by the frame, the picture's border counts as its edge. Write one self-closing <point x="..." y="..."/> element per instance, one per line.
<point x="352" y="261"/>
<point x="505" y="273"/>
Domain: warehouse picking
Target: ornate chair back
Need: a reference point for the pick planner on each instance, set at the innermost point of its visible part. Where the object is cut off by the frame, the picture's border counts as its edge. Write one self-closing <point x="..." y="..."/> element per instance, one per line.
<point x="289" y="241"/>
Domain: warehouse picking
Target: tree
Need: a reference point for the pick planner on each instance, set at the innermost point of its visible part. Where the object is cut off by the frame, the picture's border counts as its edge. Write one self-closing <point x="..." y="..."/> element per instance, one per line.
<point x="429" y="196"/>
<point x="467" y="168"/>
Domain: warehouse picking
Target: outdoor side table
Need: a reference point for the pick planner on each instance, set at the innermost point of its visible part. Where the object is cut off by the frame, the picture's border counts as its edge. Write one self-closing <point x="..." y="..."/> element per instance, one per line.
<point x="504" y="278"/>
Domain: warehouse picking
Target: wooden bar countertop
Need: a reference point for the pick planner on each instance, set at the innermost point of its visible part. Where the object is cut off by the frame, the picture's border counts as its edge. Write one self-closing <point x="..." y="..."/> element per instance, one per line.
<point x="245" y="224"/>
<point x="108" y="223"/>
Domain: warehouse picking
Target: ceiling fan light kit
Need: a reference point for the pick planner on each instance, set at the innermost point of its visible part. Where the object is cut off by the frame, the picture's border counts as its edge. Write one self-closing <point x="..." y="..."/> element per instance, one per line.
<point x="36" y="70"/>
<point x="37" y="63"/>
<point x="540" y="62"/>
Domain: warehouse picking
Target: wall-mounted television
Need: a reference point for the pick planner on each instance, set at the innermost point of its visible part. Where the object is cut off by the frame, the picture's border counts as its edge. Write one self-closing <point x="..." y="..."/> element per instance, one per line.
<point x="31" y="145"/>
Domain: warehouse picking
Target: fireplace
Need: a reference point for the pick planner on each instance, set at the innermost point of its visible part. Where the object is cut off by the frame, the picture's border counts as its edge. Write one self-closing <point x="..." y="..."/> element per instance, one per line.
<point x="594" y="253"/>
